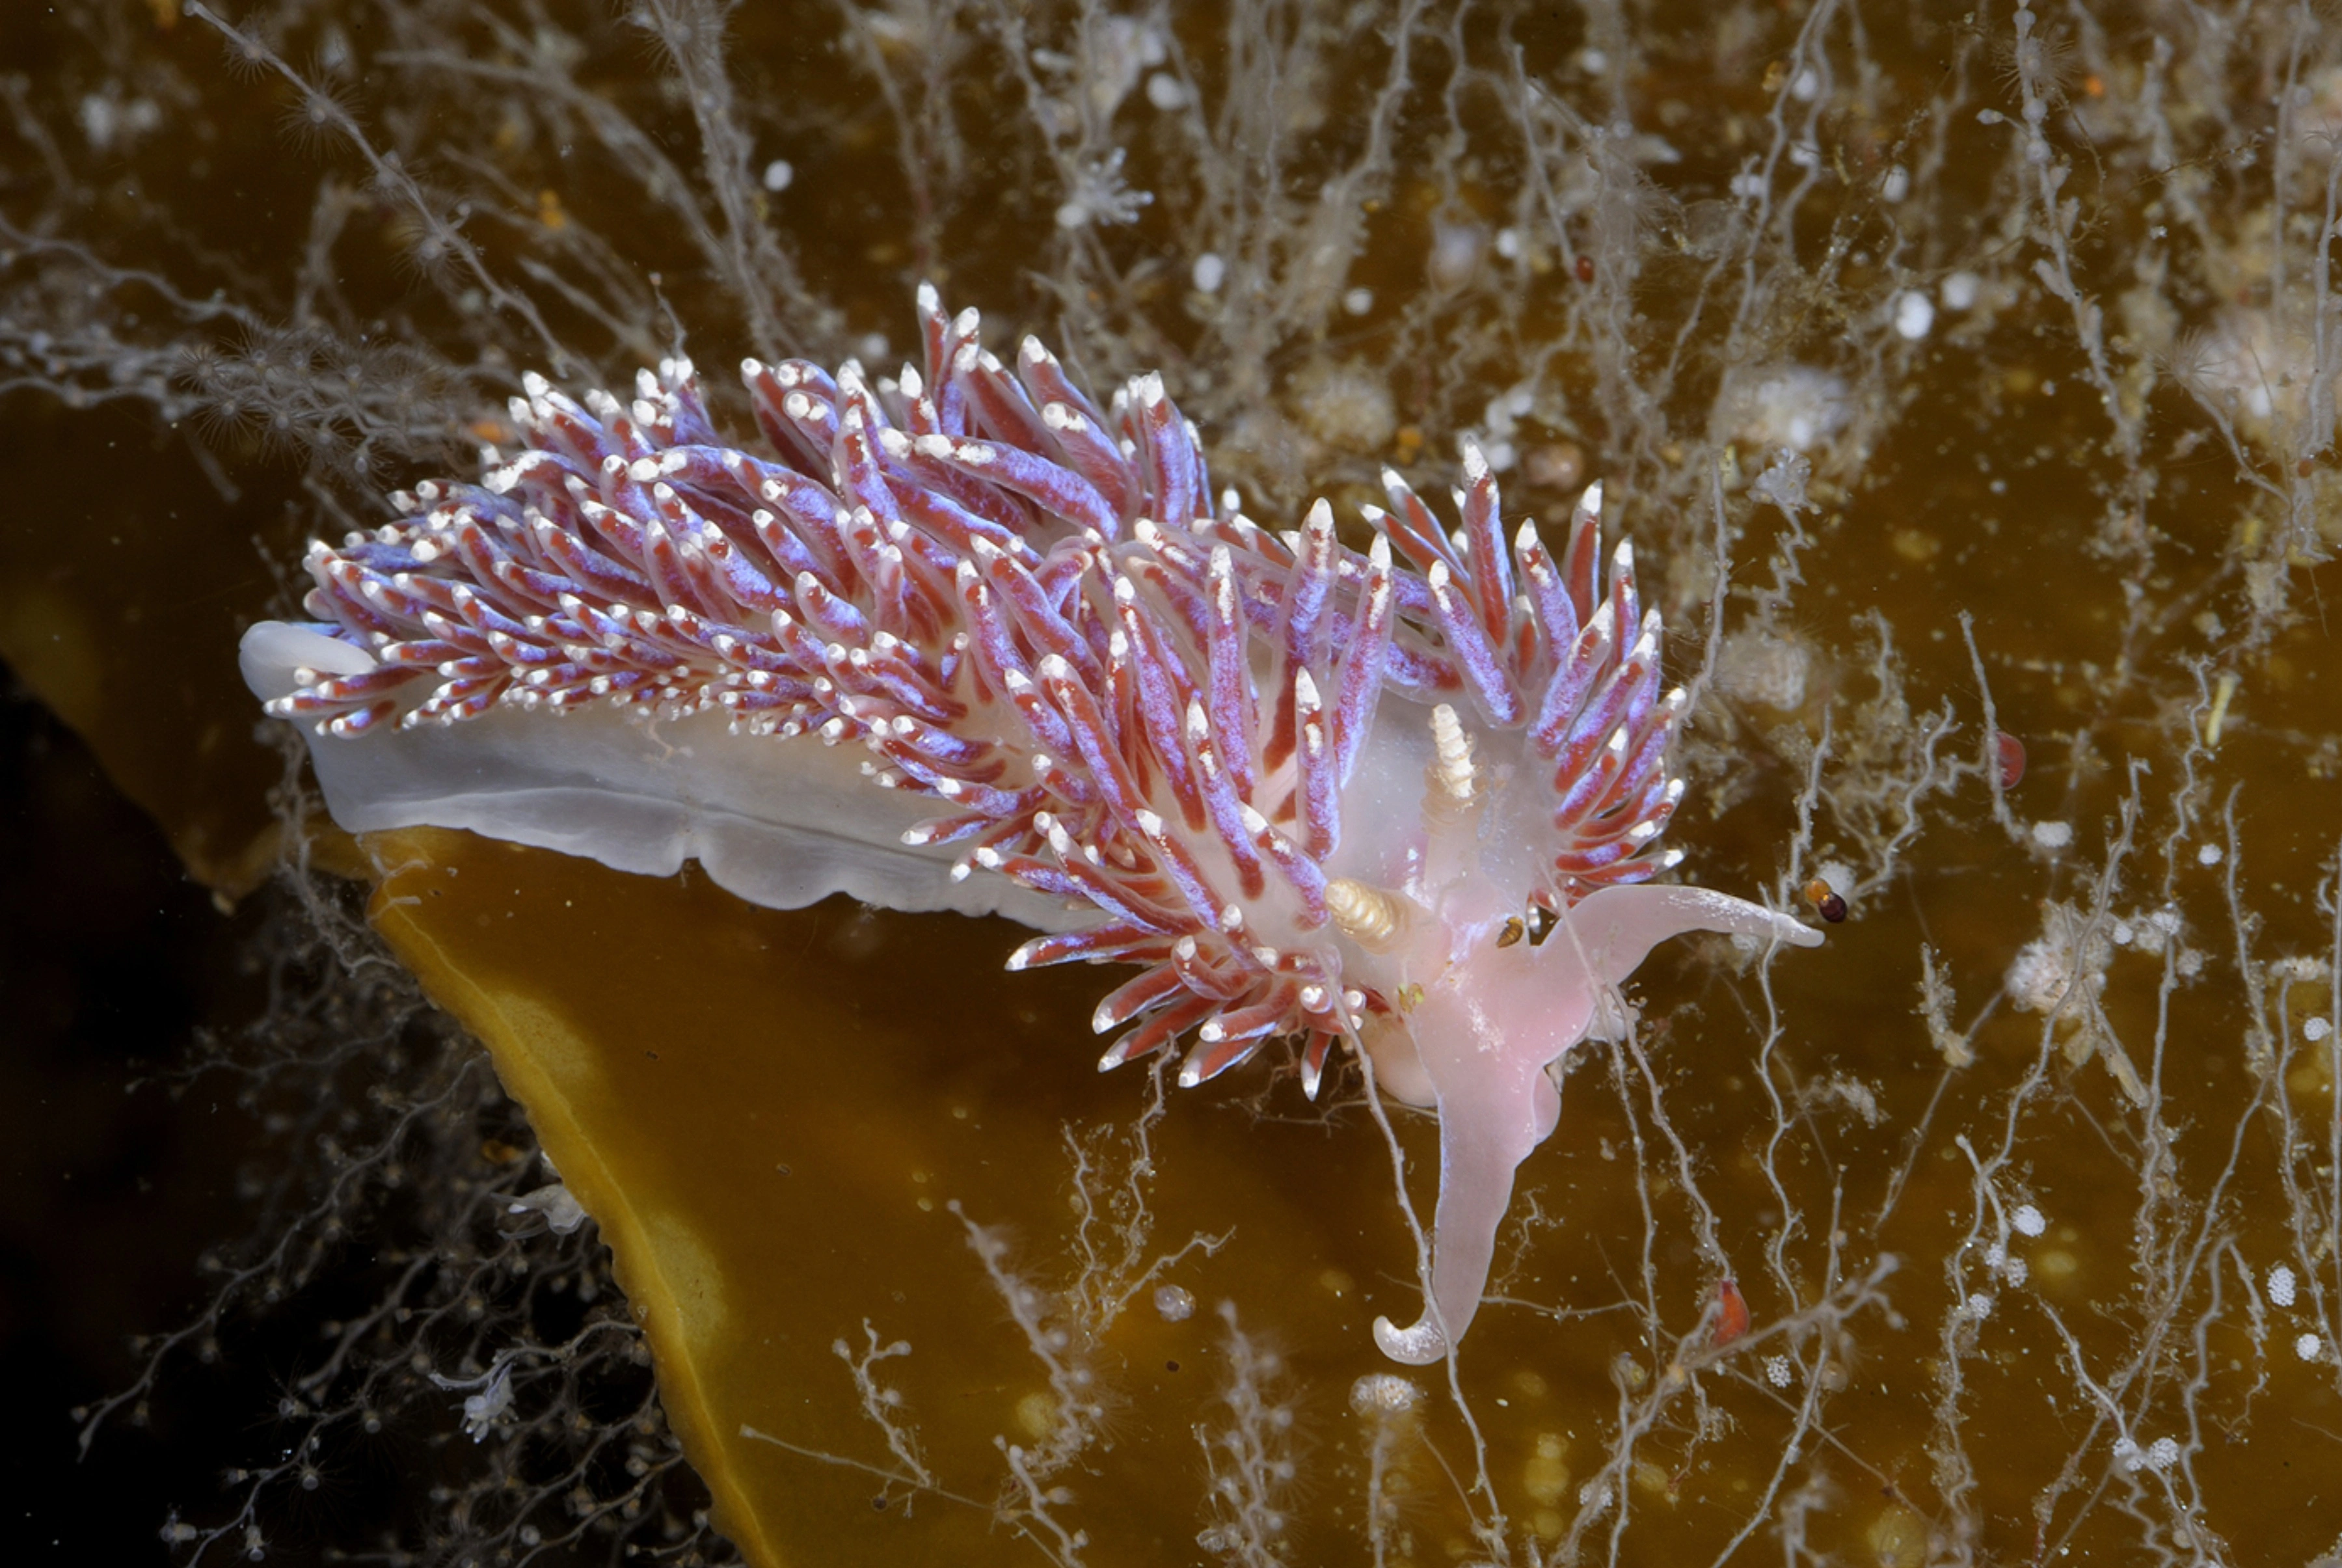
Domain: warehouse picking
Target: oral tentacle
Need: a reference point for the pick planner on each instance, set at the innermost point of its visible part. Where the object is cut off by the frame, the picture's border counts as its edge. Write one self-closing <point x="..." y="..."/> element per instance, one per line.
<point x="1497" y="1104"/>
<point x="1612" y="929"/>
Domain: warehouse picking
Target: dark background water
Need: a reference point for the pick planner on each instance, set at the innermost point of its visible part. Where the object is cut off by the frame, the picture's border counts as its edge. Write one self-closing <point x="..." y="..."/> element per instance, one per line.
<point x="111" y="958"/>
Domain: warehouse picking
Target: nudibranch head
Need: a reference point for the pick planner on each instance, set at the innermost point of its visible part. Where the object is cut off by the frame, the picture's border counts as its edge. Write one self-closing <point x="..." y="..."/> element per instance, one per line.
<point x="1313" y="792"/>
<point x="1480" y="1019"/>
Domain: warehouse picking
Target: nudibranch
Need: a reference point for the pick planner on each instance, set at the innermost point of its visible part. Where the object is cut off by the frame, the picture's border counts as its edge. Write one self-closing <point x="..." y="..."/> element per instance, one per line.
<point x="966" y="639"/>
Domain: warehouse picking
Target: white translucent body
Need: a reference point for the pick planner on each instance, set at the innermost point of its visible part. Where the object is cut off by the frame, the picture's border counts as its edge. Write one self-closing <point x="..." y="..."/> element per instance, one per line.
<point x="782" y="823"/>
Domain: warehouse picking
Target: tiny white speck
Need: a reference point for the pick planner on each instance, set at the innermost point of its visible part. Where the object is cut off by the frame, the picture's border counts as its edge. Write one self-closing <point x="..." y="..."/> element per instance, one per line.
<point x="1593" y="62"/>
<point x="1358" y="301"/>
<point x="2161" y="1455"/>
<point x="874" y="346"/>
<point x="1165" y="91"/>
<point x="777" y="175"/>
<point x="2028" y="1220"/>
<point x="1748" y="186"/>
<point x="1960" y="290"/>
<point x="2053" y="835"/>
<point x="1897" y="184"/>
<point x="1509" y="244"/>
<point x="1914" y="314"/>
<point x="1208" y="272"/>
<point x="1805" y="86"/>
<point x="2308" y="1347"/>
<point x="2280" y="1285"/>
<point x="1776" y="1370"/>
<point x="2209" y="854"/>
<point x="2315" y="1030"/>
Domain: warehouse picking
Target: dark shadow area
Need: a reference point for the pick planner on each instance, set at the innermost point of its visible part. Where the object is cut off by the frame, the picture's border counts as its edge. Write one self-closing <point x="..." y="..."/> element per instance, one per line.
<point x="111" y="961"/>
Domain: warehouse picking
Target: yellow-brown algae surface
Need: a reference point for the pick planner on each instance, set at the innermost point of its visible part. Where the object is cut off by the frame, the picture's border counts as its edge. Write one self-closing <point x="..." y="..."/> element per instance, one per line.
<point x="780" y="1119"/>
<point x="101" y="595"/>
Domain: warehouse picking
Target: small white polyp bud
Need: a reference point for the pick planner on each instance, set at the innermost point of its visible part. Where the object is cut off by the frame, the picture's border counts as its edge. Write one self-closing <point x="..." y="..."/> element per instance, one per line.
<point x="2280" y="1285"/>
<point x="1379" y="1396"/>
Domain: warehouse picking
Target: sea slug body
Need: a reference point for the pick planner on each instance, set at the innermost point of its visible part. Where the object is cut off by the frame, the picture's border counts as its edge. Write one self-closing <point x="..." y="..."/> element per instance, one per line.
<point x="966" y="640"/>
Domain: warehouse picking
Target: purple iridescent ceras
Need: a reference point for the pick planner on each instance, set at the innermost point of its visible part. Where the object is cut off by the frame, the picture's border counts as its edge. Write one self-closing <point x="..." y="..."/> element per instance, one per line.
<point x="966" y="640"/>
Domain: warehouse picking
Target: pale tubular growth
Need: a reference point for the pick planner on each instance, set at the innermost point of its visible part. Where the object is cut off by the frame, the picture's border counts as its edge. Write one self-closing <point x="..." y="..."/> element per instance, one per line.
<point x="1313" y="792"/>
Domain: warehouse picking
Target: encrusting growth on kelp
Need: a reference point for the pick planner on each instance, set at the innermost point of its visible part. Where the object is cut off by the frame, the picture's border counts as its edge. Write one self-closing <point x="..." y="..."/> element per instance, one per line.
<point x="1313" y="793"/>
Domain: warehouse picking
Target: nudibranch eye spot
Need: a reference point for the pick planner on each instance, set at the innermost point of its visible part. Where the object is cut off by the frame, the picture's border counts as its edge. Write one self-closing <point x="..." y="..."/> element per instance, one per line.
<point x="964" y="639"/>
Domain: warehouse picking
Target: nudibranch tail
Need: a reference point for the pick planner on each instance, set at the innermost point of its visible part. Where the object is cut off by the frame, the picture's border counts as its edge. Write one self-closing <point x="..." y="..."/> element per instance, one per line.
<point x="966" y="639"/>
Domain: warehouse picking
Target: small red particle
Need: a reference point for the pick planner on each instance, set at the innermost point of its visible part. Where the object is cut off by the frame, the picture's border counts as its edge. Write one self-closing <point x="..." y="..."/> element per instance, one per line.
<point x="1731" y="1314"/>
<point x="2009" y="752"/>
<point x="1585" y="269"/>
